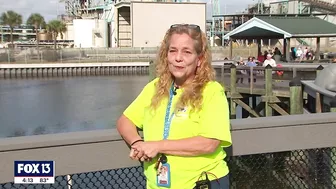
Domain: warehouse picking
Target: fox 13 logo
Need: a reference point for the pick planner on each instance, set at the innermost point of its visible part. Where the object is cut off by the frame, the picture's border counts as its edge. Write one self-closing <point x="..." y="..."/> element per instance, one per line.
<point x="34" y="172"/>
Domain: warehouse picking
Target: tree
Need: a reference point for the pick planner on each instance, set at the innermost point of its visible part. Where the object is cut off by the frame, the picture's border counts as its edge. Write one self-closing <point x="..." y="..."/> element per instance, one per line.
<point x="56" y="27"/>
<point x="37" y="21"/>
<point x="11" y="19"/>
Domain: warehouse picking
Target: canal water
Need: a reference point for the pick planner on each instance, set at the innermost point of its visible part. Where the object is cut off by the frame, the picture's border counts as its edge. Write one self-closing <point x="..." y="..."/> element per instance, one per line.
<point x="56" y="105"/>
<point x="38" y="106"/>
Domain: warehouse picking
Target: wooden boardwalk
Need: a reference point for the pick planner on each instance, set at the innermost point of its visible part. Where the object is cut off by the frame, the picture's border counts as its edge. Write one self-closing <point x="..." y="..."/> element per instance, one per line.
<point x="280" y="87"/>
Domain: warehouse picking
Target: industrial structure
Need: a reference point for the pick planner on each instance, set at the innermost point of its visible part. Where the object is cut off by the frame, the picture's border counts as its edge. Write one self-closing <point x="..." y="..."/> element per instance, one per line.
<point x="324" y="9"/>
<point x="109" y="23"/>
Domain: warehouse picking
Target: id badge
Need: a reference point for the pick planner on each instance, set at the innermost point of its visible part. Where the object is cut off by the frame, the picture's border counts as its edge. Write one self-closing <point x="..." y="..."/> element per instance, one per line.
<point x="163" y="176"/>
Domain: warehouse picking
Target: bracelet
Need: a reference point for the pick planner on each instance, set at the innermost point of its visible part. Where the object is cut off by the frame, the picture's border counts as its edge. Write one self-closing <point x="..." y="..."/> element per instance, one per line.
<point x="136" y="141"/>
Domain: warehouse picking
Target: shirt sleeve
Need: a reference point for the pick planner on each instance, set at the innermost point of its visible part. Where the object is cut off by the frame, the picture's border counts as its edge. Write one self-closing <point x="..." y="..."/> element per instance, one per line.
<point x="136" y="110"/>
<point x="215" y="116"/>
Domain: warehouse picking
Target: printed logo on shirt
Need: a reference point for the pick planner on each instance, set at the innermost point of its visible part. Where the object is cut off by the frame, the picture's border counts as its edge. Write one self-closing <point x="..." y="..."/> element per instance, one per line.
<point x="182" y="112"/>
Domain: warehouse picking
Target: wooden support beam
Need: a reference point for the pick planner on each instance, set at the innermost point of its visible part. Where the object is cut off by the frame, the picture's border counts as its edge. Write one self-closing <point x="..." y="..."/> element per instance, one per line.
<point x="233" y="109"/>
<point x="296" y="96"/>
<point x="233" y="93"/>
<point x="268" y="89"/>
<point x="246" y="107"/>
<point x="270" y="99"/>
<point x="231" y="47"/>
<point x="233" y="78"/>
<point x="259" y="107"/>
<point x="277" y="108"/>
<point x="318" y="103"/>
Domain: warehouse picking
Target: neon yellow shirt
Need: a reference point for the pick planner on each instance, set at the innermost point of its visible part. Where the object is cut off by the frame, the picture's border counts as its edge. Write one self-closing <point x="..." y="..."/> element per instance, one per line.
<point x="212" y="121"/>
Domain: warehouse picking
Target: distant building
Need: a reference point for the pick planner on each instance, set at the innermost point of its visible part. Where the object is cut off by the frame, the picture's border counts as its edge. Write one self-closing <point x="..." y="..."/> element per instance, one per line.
<point x="115" y="24"/>
<point x="307" y="7"/>
<point x="21" y="33"/>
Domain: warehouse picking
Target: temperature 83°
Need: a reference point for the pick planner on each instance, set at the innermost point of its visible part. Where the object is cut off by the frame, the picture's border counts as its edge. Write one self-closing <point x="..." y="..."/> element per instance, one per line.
<point x="42" y="180"/>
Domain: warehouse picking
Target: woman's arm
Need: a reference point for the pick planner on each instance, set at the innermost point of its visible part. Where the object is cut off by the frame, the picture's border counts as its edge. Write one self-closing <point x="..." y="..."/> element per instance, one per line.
<point x="127" y="130"/>
<point x="129" y="133"/>
<point x="193" y="146"/>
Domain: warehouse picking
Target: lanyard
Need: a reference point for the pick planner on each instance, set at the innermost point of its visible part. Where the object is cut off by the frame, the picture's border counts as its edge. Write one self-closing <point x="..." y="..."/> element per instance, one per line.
<point x="168" y="117"/>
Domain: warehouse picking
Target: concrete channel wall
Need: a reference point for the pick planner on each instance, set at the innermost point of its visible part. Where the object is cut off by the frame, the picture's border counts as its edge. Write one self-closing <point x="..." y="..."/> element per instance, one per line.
<point x="116" y="68"/>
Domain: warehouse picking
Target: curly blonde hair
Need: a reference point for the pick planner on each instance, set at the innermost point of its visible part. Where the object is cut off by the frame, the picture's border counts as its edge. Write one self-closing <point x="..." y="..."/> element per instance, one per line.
<point x="192" y="95"/>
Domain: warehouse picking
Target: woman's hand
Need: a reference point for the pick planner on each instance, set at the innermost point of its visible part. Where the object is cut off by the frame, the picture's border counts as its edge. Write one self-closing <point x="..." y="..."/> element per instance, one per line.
<point x="135" y="154"/>
<point x="138" y="155"/>
<point x="149" y="149"/>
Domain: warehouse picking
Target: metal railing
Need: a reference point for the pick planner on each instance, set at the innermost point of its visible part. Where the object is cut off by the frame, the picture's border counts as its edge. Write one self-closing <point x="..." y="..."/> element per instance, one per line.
<point x="89" y="55"/>
<point x="294" y="151"/>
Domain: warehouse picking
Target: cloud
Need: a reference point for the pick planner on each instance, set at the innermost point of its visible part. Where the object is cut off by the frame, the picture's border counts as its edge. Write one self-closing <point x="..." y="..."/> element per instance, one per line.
<point x="47" y="8"/>
<point x="226" y="6"/>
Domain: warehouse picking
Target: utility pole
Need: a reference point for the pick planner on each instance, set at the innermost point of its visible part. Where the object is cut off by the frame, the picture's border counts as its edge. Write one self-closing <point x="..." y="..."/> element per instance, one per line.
<point x="2" y="35"/>
<point x="215" y="11"/>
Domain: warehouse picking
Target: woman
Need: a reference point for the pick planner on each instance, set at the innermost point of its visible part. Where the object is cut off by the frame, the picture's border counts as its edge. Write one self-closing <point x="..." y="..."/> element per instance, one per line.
<point x="184" y="116"/>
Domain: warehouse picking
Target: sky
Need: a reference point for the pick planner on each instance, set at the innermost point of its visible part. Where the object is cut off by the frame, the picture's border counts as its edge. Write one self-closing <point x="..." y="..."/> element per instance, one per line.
<point x="51" y="8"/>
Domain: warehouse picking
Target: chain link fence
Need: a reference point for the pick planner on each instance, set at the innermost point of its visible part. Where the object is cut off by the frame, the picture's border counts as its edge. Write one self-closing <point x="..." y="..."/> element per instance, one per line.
<point x="299" y="169"/>
<point x="92" y="55"/>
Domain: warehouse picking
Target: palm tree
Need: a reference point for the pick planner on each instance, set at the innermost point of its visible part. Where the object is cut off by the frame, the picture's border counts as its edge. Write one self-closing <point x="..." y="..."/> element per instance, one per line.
<point x="56" y="27"/>
<point x="37" y="21"/>
<point x="11" y="19"/>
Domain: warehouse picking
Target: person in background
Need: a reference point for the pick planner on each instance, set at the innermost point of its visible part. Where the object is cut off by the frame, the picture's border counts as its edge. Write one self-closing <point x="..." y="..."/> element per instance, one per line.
<point x="293" y="53"/>
<point x="184" y="116"/>
<point x="277" y="51"/>
<point x="265" y="55"/>
<point x="269" y="61"/>
<point x="299" y="54"/>
<point x="277" y="54"/>
<point x="251" y="63"/>
<point x="305" y="53"/>
<point x="260" y="57"/>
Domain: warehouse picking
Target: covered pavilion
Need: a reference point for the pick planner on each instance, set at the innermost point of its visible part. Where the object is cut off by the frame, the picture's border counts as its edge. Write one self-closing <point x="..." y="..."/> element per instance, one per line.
<point x="275" y="27"/>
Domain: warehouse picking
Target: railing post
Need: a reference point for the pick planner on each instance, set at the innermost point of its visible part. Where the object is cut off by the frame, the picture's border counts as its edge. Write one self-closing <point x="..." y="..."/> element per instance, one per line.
<point x="268" y="89"/>
<point x="251" y="79"/>
<point x="222" y="74"/>
<point x="233" y="78"/>
<point x="294" y="72"/>
<point x="233" y="90"/>
<point x="296" y="98"/>
<point x="61" y="55"/>
<point x="318" y="97"/>
<point x="152" y="72"/>
<point x="8" y="56"/>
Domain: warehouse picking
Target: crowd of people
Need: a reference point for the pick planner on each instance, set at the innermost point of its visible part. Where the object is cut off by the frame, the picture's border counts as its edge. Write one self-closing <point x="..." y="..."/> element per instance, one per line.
<point x="302" y="54"/>
<point x="269" y="58"/>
